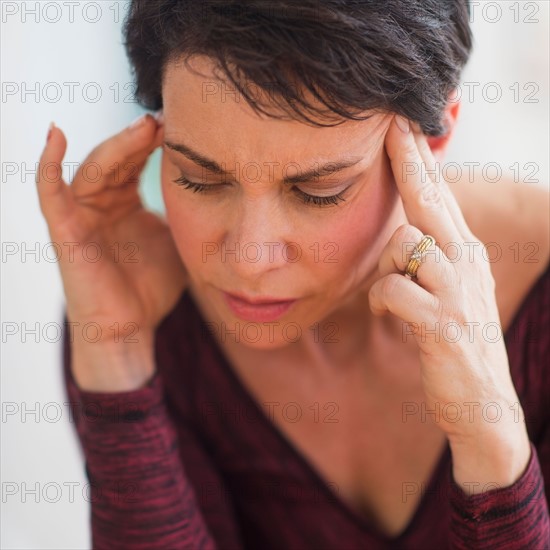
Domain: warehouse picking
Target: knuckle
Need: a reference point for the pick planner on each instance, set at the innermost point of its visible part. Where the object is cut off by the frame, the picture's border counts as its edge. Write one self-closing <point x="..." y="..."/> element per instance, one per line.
<point x="410" y="149"/>
<point x="449" y="277"/>
<point x="485" y="274"/>
<point x="389" y="284"/>
<point x="429" y="196"/>
<point x="405" y="232"/>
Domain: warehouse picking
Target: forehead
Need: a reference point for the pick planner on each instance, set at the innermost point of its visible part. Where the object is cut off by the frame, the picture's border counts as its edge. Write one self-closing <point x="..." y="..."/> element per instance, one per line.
<point x="205" y="111"/>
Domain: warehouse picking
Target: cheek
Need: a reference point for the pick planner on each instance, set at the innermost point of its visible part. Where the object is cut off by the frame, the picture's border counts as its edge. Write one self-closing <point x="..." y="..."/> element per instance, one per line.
<point x="368" y="224"/>
<point x="192" y="228"/>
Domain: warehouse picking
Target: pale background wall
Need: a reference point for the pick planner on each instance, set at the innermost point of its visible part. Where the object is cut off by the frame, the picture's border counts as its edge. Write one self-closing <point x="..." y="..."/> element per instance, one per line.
<point x="40" y="450"/>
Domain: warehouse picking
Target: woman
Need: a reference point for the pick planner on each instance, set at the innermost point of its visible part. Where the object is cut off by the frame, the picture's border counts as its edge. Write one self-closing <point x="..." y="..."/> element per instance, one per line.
<point x="316" y="350"/>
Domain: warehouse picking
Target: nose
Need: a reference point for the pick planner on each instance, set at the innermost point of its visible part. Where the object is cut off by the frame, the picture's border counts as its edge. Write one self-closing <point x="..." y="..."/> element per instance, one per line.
<point x="257" y="240"/>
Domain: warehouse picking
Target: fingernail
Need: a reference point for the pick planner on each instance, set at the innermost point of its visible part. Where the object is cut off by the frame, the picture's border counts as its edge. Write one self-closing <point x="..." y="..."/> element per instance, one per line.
<point x="140" y="121"/>
<point x="50" y="128"/>
<point x="403" y="123"/>
<point x="159" y="116"/>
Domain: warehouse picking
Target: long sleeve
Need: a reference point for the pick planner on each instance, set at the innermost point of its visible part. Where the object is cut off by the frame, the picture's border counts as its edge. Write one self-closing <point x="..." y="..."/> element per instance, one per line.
<point x="140" y="495"/>
<point x="509" y="518"/>
<point x="516" y="516"/>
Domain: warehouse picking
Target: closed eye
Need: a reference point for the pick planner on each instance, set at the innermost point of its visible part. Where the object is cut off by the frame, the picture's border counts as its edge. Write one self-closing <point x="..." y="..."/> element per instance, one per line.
<point x="305" y="197"/>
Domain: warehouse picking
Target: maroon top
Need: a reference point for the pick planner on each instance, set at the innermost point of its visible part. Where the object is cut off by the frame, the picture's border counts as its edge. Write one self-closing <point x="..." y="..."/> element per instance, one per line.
<point x="191" y="460"/>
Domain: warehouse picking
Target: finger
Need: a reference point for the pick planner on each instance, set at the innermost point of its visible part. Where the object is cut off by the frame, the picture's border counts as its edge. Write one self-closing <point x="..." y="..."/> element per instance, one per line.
<point x="112" y="161"/>
<point x="128" y="174"/>
<point x="396" y="253"/>
<point x="158" y="140"/>
<point x="53" y="193"/>
<point x="404" y="298"/>
<point x="434" y="168"/>
<point x="435" y="272"/>
<point x="131" y="171"/>
<point x="423" y="201"/>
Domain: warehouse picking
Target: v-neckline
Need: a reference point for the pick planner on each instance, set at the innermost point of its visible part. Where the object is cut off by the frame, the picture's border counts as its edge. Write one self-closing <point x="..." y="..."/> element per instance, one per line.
<point x="309" y="469"/>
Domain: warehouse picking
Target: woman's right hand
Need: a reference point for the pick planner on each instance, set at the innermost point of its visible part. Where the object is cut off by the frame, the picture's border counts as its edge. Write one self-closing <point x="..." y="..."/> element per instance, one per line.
<point x="120" y="268"/>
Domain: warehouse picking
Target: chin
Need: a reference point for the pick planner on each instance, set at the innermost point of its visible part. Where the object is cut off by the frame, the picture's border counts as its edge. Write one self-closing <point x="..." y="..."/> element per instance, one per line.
<point x="267" y="345"/>
<point x="262" y="336"/>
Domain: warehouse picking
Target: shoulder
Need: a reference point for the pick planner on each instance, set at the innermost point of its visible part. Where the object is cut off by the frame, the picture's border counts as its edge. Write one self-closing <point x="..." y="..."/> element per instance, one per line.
<point x="513" y="221"/>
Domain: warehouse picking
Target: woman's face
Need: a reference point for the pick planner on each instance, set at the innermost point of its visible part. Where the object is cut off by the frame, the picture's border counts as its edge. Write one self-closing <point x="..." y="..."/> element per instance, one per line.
<point x="252" y="232"/>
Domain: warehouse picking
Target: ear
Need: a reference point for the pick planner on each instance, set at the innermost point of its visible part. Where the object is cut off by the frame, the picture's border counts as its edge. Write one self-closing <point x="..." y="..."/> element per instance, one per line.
<point x="438" y="144"/>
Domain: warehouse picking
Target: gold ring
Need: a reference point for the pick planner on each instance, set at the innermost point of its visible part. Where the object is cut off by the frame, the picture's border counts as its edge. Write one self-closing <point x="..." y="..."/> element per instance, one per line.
<point x="417" y="255"/>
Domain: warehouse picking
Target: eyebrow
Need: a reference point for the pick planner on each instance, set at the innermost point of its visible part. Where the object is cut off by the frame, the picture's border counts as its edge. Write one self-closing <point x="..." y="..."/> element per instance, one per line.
<point x="325" y="169"/>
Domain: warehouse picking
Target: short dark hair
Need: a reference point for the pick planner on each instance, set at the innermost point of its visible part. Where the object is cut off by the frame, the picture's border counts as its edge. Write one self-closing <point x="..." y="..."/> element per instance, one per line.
<point x="401" y="56"/>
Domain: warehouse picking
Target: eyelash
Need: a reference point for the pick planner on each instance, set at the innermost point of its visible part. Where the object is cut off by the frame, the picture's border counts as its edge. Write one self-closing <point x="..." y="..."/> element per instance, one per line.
<point x="306" y="198"/>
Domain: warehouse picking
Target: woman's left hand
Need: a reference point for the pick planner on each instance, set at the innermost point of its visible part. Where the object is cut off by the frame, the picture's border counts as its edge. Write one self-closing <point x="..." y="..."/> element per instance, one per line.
<point x="450" y="309"/>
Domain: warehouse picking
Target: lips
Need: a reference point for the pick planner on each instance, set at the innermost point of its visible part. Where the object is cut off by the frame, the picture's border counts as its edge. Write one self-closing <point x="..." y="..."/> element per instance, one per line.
<point x="260" y="300"/>
<point x="257" y="309"/>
